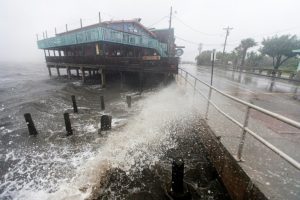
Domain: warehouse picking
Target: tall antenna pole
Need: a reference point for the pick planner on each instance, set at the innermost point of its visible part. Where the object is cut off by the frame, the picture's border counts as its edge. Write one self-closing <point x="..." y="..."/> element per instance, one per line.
<point x="227" y="34"/>
<point x="99" y="17"/>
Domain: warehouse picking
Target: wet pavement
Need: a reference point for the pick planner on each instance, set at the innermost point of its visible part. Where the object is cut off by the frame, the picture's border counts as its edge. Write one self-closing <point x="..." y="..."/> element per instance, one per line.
<point x="275" y="177"/>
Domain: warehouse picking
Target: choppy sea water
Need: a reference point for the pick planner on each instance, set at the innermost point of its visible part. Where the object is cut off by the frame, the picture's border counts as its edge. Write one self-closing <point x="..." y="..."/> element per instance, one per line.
<point x="52" y="166"/>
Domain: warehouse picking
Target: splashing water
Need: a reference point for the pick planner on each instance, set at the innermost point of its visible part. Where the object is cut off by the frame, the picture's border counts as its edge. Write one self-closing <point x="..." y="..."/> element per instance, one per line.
<point x="62" y="168"/>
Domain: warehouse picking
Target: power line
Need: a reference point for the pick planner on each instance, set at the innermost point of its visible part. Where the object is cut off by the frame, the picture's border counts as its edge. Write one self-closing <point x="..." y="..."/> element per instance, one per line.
<point x="196" y="43"/>
<point x="193" y="29"/>
<point x="158" y="21"/>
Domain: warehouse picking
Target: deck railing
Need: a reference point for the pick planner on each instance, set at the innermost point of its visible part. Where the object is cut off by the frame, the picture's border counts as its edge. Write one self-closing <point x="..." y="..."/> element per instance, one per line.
<point x="244" y="125"/>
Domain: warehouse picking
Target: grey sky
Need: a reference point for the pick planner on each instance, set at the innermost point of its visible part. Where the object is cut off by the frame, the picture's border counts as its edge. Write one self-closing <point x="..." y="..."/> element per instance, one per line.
<point x="20" y="20"/>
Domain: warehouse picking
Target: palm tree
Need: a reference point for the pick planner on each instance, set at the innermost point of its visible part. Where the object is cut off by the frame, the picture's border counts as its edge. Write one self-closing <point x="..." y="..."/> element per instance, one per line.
<point x="244" y="46"/>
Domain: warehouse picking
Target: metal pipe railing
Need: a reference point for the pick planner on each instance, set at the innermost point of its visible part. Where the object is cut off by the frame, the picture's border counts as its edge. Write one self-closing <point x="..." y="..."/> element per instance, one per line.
<point x="244" y="126"/>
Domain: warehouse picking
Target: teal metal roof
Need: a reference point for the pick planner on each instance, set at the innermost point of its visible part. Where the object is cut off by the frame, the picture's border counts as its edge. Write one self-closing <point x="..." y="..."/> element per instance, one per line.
<point x="102" y="34"/>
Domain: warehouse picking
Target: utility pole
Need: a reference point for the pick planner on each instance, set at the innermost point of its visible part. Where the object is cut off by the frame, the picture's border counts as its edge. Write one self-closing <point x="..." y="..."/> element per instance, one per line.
<point x="170" y="20"/>
<point x="170" y="26"/>
<point x="227" y="34"/>
<point x="200" y="48"/>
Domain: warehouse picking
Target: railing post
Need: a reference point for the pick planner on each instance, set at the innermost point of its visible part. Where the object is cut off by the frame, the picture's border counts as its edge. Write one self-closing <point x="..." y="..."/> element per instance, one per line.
<point x="207" y="107"/>
<point x="242" y="142"/>
<point x="186" y="77"/>
<point x="195" y="87"/>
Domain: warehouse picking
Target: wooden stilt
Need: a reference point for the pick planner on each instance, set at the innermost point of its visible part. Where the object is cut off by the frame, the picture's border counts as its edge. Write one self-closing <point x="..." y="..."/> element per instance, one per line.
<point x="49" y="70"/>
<point x="82" y="74"/>
<point x="69" y="72"/>
<point x="141" y="80"/>
<point x="58" y="73"/>
<point x="122" y="80"/>
<point x="103" y="81"/>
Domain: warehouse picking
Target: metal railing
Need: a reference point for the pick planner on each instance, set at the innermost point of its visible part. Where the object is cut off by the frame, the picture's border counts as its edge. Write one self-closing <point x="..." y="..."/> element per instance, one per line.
<point x="244" y="125"/>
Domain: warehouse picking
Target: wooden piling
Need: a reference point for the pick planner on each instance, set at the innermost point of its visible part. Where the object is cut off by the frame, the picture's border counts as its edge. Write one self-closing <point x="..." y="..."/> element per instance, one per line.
<point x="57" y="69"/>
<point x="141" y="81"/>
<point x="77" y="72"/>
<point x="31" y="128"/>
<point x="122" y="80"/>
<point x="103" y="81"/>
<point x="68" y="124"/>
<point x="82" y="74"/>
<point x="102" y="103"/>
<point x="177" y="175"/>
<point x="49" y="70"/>
<point x="74" y="104"/>
<point x="128" y="100"/>
<point x="105" y="122"/>
<point x="69" y="72"/>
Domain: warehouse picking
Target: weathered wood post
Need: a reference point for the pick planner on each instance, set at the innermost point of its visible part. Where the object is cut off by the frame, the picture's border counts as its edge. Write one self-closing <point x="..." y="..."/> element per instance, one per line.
<point x="69" y="72"/>
<point x="58" y="73"/>
<point x="31" y="128"/>
<point x="68" y="124"/>
<point x="74" y="104"/>
<point x="82" y="74"/>
<point x="102" y="103"/>
<point x="128" y="100"/>
<point x="122" y="80"/>
<point x="90" y="73"/>
<point x="77" y="72"/>
<point x="105" y="122"/>
<point x="49" y="70"/>
<point x="103" y="81"/>
<point x="141" y="81"/>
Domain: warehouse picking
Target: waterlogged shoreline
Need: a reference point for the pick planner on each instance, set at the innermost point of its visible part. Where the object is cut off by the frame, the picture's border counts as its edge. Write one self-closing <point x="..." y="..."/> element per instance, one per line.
<point x="89" y="165"/>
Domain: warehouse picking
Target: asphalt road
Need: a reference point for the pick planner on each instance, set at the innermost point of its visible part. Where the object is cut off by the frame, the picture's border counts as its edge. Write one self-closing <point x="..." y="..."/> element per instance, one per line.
<point x="277" y="178"/>
<point x="254" y="89"/>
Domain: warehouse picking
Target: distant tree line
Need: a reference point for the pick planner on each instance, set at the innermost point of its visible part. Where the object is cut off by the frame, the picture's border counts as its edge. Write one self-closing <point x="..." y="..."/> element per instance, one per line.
<point x="274" y="52"/>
